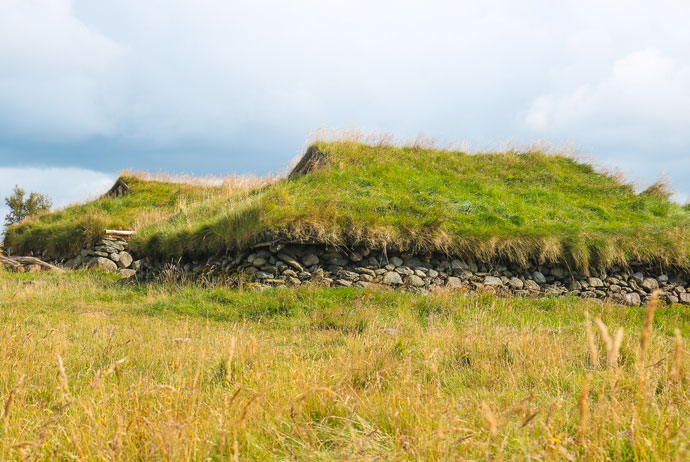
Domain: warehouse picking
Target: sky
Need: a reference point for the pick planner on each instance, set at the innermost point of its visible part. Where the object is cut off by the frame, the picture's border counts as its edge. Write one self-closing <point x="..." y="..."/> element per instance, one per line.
<point x="88" y="88"/>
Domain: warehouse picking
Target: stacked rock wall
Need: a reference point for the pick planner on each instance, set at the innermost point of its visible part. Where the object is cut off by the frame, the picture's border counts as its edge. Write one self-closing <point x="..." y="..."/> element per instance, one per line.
<point x="109" y="254"/>
<point x="282" y="264"/>
<point x="290" y="264"/>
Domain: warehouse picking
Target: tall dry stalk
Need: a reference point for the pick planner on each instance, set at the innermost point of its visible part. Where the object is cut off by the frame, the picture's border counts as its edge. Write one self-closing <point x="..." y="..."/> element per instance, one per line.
<point x="590" y="341"/>
<point x="228" y="359"/>
<point x="677" y="356"/>
<point x="647" y="326"/>
<point x="583" y="405"/>
<point x="10" y="399"/>
<point x="62" y="375"/>
<point x="644" y="346"/>
<point x="490" y="418"/>
<point x="617" y="342"/>
<point x="613" y="345"/>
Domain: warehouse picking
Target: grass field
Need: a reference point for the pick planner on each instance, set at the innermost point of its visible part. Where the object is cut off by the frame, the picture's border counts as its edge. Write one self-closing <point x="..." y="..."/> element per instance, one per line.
<point x="93" y="369"/>
<point x="516" y="205"/>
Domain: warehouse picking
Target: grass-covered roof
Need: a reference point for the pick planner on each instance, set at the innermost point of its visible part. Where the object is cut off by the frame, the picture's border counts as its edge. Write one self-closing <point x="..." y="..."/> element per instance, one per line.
<point x="513" y="205"/>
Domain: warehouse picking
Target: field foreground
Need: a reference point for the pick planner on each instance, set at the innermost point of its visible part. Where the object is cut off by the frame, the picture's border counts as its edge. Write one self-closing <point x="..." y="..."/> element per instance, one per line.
<point x="96" y="369"/>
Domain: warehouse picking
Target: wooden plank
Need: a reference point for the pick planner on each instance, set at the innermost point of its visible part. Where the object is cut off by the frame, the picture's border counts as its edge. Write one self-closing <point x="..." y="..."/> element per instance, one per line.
<point x="119" y="232"/>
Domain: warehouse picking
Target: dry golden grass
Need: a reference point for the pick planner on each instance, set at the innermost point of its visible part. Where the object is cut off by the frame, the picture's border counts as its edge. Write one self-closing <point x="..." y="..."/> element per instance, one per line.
<point x="233" y="182"/>
<point x="93" y="370"/>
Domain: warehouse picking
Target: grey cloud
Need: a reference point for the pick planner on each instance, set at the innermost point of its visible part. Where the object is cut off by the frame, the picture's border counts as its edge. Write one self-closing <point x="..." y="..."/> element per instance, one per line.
<point x="216" y="86"/>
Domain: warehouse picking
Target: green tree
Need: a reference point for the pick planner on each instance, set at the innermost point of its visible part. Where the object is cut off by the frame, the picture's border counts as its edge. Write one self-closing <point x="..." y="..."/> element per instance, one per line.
<point x="22" y="206"/>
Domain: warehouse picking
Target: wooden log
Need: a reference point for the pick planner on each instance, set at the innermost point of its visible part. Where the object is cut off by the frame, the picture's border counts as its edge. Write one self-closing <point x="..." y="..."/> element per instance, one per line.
<point x="26" y="261"/>
<point x="9" y="262"/>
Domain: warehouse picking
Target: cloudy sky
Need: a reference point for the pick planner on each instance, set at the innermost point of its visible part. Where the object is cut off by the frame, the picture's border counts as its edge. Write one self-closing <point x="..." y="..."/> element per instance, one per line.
<point x="90" y="87"/>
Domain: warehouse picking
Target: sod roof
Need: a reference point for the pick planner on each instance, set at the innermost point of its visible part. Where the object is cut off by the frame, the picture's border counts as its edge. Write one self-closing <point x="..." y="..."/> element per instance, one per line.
<point x="518" y="206"/>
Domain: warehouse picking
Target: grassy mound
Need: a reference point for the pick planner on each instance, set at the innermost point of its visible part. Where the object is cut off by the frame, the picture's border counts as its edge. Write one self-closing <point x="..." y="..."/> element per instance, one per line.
<point x="149" y="203"/>
<point x="514" y="205"/>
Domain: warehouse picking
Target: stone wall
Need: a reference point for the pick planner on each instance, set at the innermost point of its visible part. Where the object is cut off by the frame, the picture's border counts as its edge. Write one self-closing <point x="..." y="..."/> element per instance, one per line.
<point x="283" y="264"/>
<point x="109" y="254"/>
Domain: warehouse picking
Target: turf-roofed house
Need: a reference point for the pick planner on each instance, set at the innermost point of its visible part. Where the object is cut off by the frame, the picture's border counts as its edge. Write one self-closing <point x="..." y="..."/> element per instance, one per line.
<point x="353" y="214"/>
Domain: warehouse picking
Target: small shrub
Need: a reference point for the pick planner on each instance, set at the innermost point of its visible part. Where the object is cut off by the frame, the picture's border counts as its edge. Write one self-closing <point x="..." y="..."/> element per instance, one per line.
<point x="22" y="206"/>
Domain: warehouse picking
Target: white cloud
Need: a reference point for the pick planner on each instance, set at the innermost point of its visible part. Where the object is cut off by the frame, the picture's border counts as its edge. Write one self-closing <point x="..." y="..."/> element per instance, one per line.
<point x="643" y="88"/>
<point x="54" y="71"/>
<point x="225" y="79"/>
<point x="63" y="185"/>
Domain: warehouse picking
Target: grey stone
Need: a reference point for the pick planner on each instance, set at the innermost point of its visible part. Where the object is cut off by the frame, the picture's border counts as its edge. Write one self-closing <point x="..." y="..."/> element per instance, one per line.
<point x="274" y="281"/>
<point x="492" y="281"/>
<point x="125" y="260"/>
<point x="574" y="285"/>
<point x="310" y="259"/>
<point x="516" y="283"/>
<point x="650" y="284"/>
<point x="432" y="273"/>
<point x="684" y="298"/>
<point x="459" y="265"/>
<point x="559" y="272"/>
<point x="391" y="278"/>
<point x="632" y="299"/>
<point x="454" y="283"/>
<point x="338" y="261"/>
<point x="348" y="275"/>
<point x="662" y="278"/>
<point x="259" y="262"/>
<point x="595" y="282"/>
<point x="638" y="277"/>
<point x="103" y="264"/>
<point x="355" y="257"/>
<point x="365" y="271"/>
<point x="415" y="281"/>
<point x="413" y="262"/>
<point x="114" y="257"/>
<point x="465" y="275"/>
<point x="290" y="261"/>
<point x="395" y="261"/>
<point x="126" y="272"/>
<point x="404" y="270"/>
<point x="343" y="283"/>
<point x="539" y="277"/>
<point x="531" y="285"/>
